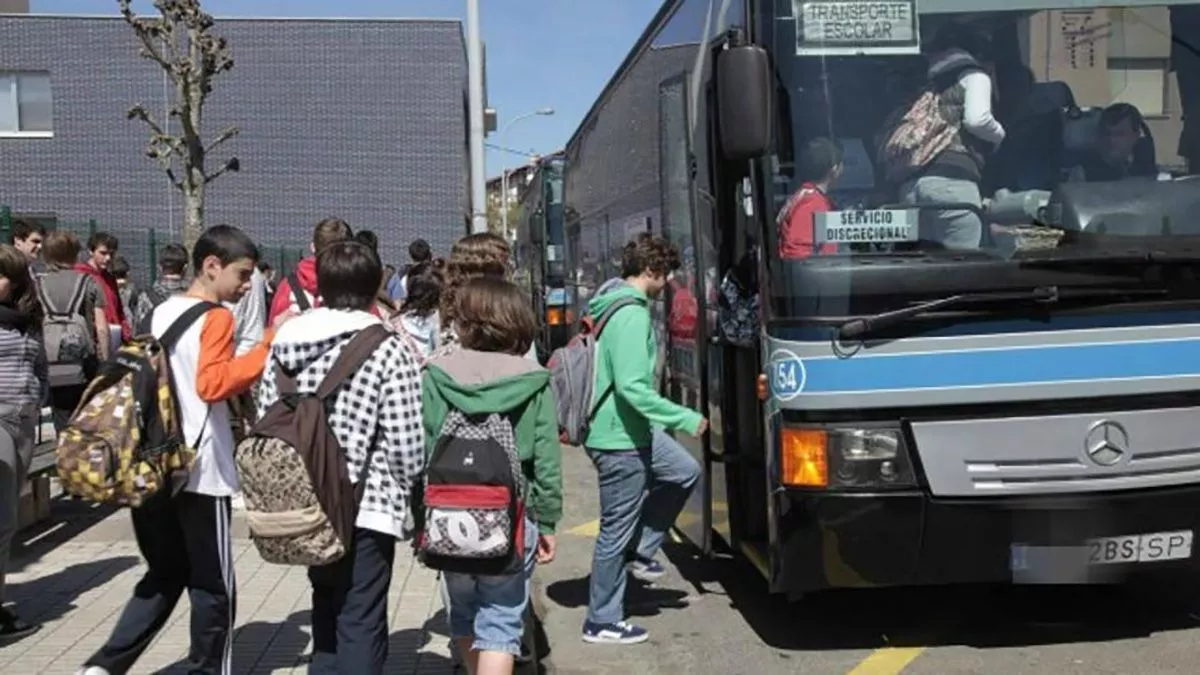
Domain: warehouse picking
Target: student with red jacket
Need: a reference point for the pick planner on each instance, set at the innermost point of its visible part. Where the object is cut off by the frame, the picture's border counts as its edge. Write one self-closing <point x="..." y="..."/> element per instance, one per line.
<point x="328" y="231"/>
<point x="102" y="247"/>
<point x="819" y="168"/>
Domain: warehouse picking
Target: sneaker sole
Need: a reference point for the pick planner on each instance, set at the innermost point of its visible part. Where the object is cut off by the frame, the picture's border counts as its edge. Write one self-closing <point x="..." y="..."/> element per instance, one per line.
<point x="648" y="577"/>
<point x="596" y="640"/>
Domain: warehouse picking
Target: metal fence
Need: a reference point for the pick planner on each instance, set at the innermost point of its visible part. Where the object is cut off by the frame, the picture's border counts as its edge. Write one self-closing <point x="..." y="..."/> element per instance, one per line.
<point x="140" y="246"/>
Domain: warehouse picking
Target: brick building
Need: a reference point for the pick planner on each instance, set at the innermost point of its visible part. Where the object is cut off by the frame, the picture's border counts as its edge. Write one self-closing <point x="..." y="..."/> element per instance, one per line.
<point x="362" y="119"/>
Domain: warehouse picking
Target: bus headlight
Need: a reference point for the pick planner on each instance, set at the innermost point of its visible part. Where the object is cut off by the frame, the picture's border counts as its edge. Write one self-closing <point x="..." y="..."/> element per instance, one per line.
<point x="833" y="458"/>
<point x="869" y="458"/>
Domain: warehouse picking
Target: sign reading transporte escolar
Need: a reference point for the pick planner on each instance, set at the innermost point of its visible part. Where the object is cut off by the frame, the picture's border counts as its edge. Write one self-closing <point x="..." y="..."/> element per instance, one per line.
<point x="856" y="27"/>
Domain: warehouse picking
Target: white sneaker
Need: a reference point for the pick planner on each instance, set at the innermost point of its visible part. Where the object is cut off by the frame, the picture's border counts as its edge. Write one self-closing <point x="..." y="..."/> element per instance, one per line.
<point x="92" y="670"/>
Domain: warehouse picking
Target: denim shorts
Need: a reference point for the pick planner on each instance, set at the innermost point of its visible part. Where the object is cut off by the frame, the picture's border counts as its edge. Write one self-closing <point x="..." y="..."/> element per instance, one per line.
<point x="492" y="608"/>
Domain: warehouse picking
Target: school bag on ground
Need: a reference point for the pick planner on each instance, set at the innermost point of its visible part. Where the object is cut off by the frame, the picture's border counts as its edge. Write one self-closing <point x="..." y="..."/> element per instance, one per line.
<point x="125" y="441"/>
<point x="70" y="343"/>
<point x="913" y="136"/>
<point x="573" y="376"/>
<point x="300" y="502"/>
<point x="472" y="519"/>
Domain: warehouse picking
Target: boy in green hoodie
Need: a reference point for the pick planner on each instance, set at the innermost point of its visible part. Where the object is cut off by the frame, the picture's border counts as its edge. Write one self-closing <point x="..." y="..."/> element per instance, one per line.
<point x="488" y="373"/>
<point x="620" y="439"/>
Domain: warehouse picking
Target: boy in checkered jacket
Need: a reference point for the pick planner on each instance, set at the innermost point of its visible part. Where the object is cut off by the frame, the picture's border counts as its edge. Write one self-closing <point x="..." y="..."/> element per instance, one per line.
<point x="376" y="417"/>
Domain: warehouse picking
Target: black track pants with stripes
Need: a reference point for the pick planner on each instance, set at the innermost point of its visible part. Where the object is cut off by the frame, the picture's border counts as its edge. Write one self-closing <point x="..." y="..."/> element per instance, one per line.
<point x="187" y="544"/>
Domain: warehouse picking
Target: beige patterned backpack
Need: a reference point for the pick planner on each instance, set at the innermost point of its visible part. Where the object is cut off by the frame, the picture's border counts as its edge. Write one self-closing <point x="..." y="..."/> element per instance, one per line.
<point x="300" y="502"/>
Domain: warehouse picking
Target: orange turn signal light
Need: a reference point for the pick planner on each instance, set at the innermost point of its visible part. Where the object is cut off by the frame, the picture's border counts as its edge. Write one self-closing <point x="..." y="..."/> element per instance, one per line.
<point x="804" y="457"/>
<point x="554" y="316"/>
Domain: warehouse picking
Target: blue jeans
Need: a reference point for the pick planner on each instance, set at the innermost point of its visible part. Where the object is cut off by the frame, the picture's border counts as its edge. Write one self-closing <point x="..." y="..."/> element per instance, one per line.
<point x="492" y="608"/>
<point x="642" y="489"/>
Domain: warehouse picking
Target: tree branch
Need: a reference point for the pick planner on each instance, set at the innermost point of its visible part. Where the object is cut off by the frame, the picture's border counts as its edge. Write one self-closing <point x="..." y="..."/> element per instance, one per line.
<point x="229" y="133"/>
<point x="174" y="181"/>
<point x="139" y="112"/>
<point x="232" y="165"/>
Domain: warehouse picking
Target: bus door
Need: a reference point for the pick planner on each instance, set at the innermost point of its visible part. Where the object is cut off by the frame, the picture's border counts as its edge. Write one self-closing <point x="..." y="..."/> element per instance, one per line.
<point x="687" y="373"/>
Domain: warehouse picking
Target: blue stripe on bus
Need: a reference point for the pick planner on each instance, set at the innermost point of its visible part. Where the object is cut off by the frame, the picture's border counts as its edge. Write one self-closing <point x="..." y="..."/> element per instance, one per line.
<point x="1001" y="367"/>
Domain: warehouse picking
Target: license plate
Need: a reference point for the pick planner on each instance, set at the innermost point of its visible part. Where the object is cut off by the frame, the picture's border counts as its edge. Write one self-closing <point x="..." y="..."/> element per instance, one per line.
<point x="1140" y="548"/>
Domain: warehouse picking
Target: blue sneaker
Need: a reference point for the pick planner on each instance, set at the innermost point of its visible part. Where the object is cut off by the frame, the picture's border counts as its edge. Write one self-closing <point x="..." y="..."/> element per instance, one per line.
<point x="619" y="633"/>
<point x="646" y="570"/>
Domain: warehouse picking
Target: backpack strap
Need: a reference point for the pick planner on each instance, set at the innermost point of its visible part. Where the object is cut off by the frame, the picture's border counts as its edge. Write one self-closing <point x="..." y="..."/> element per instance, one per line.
<point x="602" y="320"/>
<point x="77" y="296"/>
<point x="184" y="322"/>
<point x="353" y="356"/>
<point x="44" y="297"/>
<point x="298" y="292"/>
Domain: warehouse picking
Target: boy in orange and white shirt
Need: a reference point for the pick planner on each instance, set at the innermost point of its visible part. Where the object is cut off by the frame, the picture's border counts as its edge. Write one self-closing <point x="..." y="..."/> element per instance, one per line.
<point x="185" y="538"/>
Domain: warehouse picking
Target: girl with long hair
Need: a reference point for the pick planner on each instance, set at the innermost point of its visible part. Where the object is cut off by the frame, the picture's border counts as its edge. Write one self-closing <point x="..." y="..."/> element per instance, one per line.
<point x="24" y="385"/>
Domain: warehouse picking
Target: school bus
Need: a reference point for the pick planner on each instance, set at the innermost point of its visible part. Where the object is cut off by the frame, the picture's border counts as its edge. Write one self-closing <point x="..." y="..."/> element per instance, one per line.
<point x="1014" y="405"/>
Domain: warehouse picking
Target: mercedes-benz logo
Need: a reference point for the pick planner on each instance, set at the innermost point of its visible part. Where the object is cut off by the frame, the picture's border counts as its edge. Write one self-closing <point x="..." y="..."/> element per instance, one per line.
<point x="1106" y="443"/>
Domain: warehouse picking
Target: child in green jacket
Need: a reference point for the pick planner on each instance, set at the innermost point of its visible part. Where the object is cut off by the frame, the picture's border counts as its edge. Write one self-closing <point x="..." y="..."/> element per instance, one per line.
<point x="489" y="374"/>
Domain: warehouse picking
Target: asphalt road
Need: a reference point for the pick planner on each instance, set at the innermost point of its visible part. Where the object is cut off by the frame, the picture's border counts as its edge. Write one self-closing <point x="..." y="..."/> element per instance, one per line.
<point x="714" y="616"/>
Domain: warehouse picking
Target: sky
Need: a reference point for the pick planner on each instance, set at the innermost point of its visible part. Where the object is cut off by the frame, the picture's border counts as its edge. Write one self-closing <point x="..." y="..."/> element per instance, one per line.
<point x="540" y="53"/>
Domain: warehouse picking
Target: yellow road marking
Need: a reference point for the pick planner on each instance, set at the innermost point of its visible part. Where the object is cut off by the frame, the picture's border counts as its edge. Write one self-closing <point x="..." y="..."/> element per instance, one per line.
<point x="588" y="529"/>
<point x="884" y="661"/>
<point x="887" y="661"/>
<point x="592" y="527"/>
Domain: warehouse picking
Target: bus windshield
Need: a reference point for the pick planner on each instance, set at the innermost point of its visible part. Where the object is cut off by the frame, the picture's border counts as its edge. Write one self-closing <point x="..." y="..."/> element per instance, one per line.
<point x="913" y="130"/>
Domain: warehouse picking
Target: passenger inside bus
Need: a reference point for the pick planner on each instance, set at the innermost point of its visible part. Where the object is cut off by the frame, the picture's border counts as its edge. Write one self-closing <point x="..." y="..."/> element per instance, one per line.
<point x="961" y="64"/>
<point x="1019" y="134"/>
<point x="1123" y="147"/>
<point x="818" y="170"/>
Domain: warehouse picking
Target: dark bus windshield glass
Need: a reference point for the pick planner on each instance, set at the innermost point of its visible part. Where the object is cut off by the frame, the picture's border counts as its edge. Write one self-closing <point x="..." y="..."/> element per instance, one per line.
<point x="948" y="134"/>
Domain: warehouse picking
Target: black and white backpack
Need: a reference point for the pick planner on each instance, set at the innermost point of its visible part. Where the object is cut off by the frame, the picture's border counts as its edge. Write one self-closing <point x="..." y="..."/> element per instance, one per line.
<point x="474" y="498"/>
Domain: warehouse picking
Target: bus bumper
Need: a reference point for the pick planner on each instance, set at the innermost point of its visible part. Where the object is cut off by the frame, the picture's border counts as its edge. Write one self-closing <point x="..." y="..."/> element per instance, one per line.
<point x="898" y="539"/>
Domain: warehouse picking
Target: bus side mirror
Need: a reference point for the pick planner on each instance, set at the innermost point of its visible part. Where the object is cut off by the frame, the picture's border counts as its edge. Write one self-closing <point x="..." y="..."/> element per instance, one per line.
<point x="744" y="102"/>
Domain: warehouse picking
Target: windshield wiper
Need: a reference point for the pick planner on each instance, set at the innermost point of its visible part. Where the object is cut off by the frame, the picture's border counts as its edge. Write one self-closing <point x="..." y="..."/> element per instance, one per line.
<point x="1135" y="258"/>
<point x="1038" y="295"/>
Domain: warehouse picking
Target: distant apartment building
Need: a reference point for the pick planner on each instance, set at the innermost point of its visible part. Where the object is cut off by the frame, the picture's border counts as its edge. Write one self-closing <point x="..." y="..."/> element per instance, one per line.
<point x="361" y="119"/>
<point x="14" y="6"/>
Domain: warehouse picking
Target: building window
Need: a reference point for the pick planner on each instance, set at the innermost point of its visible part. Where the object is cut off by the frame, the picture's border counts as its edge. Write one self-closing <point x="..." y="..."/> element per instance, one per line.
<point x="1140" y="82"/>
<point x="25" y="103"/>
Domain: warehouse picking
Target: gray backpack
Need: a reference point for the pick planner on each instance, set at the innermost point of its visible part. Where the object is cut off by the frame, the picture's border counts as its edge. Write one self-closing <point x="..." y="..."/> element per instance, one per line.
<point x="69" y="341"/>
<point x="573" y="375"/>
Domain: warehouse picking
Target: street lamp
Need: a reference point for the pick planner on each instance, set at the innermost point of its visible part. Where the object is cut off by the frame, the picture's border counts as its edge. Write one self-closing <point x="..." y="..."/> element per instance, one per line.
<point x="504" y="169"/>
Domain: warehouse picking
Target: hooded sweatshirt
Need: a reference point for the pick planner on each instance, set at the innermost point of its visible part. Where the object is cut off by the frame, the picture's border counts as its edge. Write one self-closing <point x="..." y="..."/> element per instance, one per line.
<point x="375" y="414"/>
<point x="306" y="273"/>
<point x="423" y="330"/>
<point x="114" y="309"/>
<point x="486" y="382"/>
<point x="626" y="354"/>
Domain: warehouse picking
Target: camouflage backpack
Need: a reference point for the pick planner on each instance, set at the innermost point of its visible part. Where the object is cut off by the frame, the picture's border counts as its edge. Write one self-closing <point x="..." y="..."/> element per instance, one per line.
<point x="913" y="136"/>
<point x="125" y="441"/>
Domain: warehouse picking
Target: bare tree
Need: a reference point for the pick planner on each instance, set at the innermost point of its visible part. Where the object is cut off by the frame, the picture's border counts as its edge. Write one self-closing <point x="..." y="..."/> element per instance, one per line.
<point x="180" y="42"/>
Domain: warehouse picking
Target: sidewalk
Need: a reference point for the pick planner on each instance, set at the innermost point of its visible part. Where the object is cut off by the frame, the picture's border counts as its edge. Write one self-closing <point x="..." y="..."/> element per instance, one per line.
<point x="77" y="588"/>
